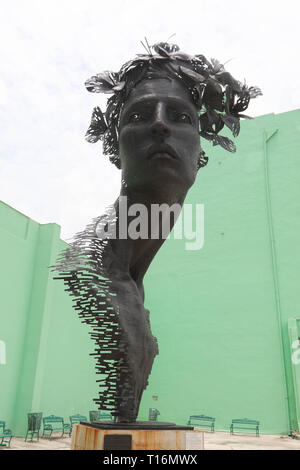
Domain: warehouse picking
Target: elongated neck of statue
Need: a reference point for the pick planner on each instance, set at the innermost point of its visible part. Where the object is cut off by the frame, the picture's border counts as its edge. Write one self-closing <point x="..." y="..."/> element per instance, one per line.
<point x="138" y="253"/>
<point x="167" y="194"/>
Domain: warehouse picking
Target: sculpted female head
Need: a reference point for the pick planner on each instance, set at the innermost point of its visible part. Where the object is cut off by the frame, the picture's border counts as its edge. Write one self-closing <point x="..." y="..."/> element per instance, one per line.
<point x="161" y="103"/>
<point x="159" y="136"/>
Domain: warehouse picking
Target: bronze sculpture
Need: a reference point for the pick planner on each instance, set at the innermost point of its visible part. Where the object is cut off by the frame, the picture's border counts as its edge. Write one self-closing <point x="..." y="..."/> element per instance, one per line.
<point x="161" y="102"/>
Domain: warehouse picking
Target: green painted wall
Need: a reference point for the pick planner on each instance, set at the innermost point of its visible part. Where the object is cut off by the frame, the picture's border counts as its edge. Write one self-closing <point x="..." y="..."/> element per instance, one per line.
<point x="223" y="315"/>
<point x="48" y="367"/>
<point x="227" y="306"/>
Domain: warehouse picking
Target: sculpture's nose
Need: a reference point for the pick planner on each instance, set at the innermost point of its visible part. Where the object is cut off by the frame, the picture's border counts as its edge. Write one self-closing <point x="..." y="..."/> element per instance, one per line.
<point x="160" y="128"/>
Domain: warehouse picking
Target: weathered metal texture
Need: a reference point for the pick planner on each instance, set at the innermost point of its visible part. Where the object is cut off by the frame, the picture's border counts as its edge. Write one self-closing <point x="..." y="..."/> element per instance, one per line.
<point x="88" y="438"/>
<point x="124" y="346"/>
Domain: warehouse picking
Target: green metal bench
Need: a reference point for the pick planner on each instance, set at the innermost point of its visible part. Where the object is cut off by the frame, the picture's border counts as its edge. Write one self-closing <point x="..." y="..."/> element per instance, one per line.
<point x="104" y="415"/>
<point x="53" y="424"/>
<point x="76" y="419"/>
<point x="202" y="421"/>
<point x="5" y="435"/>
<point x="245" y="424"/>
<point x="99" y="415"/>
<point x="153" y="414"/>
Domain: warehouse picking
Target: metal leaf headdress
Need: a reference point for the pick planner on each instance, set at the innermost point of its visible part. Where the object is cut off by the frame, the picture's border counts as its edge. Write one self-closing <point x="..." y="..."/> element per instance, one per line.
<point x="220" y="99"/>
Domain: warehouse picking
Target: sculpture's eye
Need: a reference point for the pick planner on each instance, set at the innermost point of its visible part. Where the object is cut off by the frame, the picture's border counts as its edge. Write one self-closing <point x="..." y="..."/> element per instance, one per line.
<point x="178" y="116"/>
<point x="135" y="117"/>
<point x="183" y="117"/>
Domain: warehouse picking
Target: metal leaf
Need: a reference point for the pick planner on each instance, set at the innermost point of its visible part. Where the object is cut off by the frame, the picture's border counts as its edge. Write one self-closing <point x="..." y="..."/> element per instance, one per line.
<point x="97" y="127"/>
<point x="254" y="91"/>
<point x="217" y="66"/>
<point x="241" y="104"/>
<point x="181" y="56"/>
<point x="226" y="79"/>
<point x="204" y="62"/>
<point x="243" y="116"/>
<point x="213" y="95"/>
<point x="226" y="143"/>
<point x="101" y="83"/>
<point x="196" y="77"/>
<point x="161" y="51"/>
<point x="164" y="47"/>
<point x="233" y="123"/>
<point x="119" y="86"/>
<point x="206" y="135"/>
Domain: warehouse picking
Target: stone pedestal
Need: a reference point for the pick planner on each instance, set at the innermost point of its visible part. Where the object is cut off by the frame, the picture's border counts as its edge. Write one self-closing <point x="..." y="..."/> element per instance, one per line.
<point x="135" y="436"/>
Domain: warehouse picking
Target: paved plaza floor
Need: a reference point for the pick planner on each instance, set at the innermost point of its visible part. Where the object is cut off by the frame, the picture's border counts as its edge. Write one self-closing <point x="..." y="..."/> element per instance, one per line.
<point x="212" y="441"/>
<point x="224" y="441"/>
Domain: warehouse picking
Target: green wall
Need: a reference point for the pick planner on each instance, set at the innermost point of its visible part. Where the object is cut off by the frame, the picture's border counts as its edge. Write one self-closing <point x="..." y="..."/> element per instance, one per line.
<point x="48" y="367"/>
<point x="224" y="316"/>
<point x="223" y="321"/>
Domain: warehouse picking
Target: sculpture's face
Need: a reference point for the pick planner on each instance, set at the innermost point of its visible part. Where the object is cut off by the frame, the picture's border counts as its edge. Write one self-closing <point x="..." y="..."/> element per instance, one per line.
<point x="159" y="136"/>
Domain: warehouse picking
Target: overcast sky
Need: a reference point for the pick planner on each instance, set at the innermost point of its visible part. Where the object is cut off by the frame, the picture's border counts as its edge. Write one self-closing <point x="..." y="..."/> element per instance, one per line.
<point x="50" y="47"/>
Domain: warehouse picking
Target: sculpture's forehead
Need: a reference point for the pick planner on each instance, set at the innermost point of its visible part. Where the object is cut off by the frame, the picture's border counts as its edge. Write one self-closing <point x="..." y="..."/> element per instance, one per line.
<point x="160" y="88"/>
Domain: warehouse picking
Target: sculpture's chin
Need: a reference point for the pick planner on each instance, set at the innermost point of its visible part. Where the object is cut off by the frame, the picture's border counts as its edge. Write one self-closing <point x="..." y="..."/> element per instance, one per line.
<point x="165" y="181"/>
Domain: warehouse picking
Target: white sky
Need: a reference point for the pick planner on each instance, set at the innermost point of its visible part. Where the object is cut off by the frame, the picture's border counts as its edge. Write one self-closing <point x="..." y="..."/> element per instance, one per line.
<point x="48" y="48"/>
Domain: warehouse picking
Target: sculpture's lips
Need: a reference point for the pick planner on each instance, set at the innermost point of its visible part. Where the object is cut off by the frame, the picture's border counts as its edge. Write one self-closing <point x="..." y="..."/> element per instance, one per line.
<point x="156" y="149"/>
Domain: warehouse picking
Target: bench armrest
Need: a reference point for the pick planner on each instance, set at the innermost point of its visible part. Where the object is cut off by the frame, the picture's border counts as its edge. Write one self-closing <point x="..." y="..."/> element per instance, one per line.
<point x="8" y="431"/>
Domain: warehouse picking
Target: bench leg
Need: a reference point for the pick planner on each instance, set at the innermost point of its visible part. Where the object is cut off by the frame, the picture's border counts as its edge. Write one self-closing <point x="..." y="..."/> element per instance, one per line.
<point x="4" y="442"/>
<point x="47" y="433"/>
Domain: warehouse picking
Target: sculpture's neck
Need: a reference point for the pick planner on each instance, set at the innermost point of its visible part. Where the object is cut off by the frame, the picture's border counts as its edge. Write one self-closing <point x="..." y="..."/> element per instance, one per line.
<point x="151" y="215"/>
<point x="165" y="194"/>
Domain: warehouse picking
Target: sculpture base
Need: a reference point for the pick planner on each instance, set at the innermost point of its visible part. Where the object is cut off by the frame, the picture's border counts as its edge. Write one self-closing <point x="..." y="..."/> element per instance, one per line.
<point x="142" y="435"/>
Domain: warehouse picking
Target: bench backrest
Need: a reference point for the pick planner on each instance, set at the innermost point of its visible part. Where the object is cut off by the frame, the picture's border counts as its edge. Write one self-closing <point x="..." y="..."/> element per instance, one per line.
<point x="98" y="415"/>
<point x="107" y="416"/>
<point x="153" y="414"/>
<point x="2" y="426"/>
<point x="95" y="415"/>
<point x="245" y="421"/>
<point x="202" y="418"/>
<point x="53" y="419"/>
<point x="77" y="418"/>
